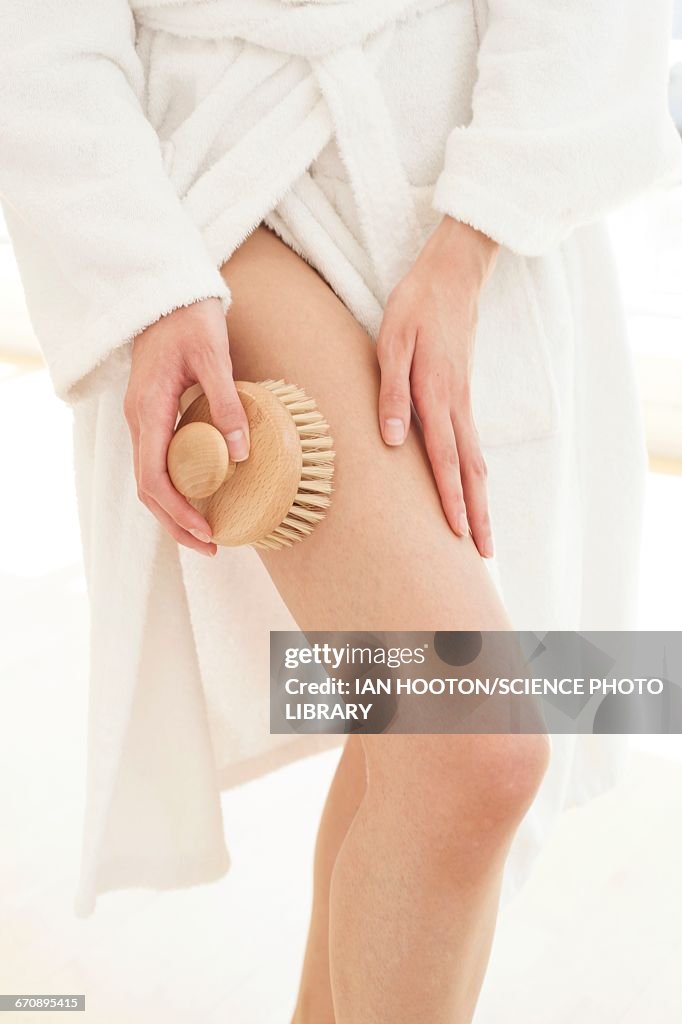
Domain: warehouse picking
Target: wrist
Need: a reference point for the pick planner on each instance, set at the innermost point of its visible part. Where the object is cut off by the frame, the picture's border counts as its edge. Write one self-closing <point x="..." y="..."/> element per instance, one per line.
<point x="472" y="251"/>
<point x="195" y="317"/>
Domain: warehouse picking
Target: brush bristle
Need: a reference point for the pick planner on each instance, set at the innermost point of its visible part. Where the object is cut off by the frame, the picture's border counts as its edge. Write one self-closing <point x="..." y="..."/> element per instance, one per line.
<point x="317" y="470"/>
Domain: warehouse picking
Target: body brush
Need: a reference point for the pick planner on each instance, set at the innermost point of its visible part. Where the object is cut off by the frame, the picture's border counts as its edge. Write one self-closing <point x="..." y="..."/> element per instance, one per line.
<point x="280" y="493"/>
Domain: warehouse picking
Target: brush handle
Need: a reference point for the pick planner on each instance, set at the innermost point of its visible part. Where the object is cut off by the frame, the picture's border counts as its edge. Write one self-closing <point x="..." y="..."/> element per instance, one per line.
<point x="198" y="460"/>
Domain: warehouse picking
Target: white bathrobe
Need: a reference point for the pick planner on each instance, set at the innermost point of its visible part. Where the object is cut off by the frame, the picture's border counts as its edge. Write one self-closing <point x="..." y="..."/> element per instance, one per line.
<point x="139" y="148"/>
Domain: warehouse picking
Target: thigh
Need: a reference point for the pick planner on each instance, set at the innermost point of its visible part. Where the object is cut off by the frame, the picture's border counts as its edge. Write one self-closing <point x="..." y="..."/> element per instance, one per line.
<point x="384" y="558"/>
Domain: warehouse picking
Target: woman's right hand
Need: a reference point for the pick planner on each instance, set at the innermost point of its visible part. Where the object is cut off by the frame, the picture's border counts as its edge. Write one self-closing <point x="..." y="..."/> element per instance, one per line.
<point x="188" y="346"/>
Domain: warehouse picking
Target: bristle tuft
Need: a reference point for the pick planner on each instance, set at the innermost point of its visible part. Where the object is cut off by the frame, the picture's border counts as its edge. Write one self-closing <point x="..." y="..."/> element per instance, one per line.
<point x="315" y="444"/>
<point x="317" y="468"/>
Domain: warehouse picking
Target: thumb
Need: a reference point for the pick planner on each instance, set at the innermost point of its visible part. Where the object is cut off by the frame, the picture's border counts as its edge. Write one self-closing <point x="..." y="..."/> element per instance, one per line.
<point x="227" y="411"/>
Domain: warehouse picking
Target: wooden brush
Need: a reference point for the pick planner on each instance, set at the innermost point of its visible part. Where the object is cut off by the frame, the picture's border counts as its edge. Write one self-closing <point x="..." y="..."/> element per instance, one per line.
<point x="281" y="492"/>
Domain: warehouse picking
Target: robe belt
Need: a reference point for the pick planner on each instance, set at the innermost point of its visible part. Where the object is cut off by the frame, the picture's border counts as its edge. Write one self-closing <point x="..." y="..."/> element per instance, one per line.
<point x="315" y="65"/>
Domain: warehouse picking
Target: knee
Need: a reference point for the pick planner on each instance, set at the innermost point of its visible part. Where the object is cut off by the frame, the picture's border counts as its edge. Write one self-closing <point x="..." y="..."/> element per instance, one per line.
<point x="471" y="790"/>
<point x="505" y="773"/>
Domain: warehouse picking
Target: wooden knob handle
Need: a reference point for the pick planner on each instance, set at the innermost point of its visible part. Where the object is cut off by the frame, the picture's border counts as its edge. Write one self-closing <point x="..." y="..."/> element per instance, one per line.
<point x="198" y="461"/>
<point x="276" y="496"/>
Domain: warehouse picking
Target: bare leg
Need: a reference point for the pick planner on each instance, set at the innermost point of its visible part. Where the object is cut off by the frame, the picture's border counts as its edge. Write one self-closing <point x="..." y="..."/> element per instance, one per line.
<point x="345" y="793"/>
<point x="415" y="884"/>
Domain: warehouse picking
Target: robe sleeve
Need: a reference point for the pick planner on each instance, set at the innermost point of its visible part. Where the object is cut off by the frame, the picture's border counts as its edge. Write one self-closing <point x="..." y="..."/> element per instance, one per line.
<point x="103" y="243"/>
<point x="569" y="119"/>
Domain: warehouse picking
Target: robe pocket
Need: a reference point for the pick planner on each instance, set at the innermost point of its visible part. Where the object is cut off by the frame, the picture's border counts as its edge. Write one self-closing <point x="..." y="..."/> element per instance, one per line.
<point x="514" y="392"/>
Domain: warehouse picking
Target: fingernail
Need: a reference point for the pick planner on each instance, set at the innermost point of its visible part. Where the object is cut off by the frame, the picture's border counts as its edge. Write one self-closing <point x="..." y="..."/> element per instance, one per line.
<point x="204" y="537"/>
<point x="462" y="525"/>
<point x="488" y="549"/>
<point x="394" y="431"/>
<point x="237" y="445"/>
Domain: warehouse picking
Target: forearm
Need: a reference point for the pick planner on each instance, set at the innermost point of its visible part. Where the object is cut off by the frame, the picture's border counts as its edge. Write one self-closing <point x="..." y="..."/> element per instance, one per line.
<point x="569" y="119"/>
<point x="103" y="243"/>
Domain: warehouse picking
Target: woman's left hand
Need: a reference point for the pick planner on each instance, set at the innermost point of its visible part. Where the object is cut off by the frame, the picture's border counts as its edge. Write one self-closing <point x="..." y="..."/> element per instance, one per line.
<point x="425" y="351"/>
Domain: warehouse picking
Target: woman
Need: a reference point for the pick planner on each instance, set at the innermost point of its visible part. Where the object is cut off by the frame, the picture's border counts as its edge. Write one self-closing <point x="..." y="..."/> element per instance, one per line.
<point x="421" y="174"/>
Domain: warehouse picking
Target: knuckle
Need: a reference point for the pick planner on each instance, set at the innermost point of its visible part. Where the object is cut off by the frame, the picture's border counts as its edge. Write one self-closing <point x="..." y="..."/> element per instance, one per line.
<point x="398" y="310"/>
<point x="208" y="361"/>
<point x="227" y="409"/>
<point x="394" y="395"/>
<point x="147" y="482"/>
<point x="456" y="499"/>
<point x="400" y="294"/>
<point x="393" y="300"/>
<point x="391" y="345"/>
<point x="430" y="375"/>
<point x="477" y="467"/>
<point x="445" y="455"/>
<point x="198" y="349"/>
<point x="430" y="391"/>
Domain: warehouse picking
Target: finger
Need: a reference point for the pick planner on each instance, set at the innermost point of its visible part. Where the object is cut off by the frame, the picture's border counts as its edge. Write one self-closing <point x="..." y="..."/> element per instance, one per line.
<point x="177" y="532"/>
<point x="227" y="411"/>
<point x="155" y="432"/>
<point x="394" y="354"/>
<point x="473" y="472"/>
<point x="130" y="414"/>
<point x="441" y="448"/>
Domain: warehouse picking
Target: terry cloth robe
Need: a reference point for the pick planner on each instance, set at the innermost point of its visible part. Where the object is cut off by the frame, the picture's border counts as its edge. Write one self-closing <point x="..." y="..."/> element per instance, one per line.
<point x="141" y="144"/>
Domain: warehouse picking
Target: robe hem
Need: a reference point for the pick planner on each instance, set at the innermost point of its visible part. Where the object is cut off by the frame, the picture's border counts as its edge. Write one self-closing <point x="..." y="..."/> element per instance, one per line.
<point x="130" y="873"/>
<point x="150" y="875"/>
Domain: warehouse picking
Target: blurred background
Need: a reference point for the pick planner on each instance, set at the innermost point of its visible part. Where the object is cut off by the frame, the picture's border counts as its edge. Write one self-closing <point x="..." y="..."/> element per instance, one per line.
<point x="605" y="949"/>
